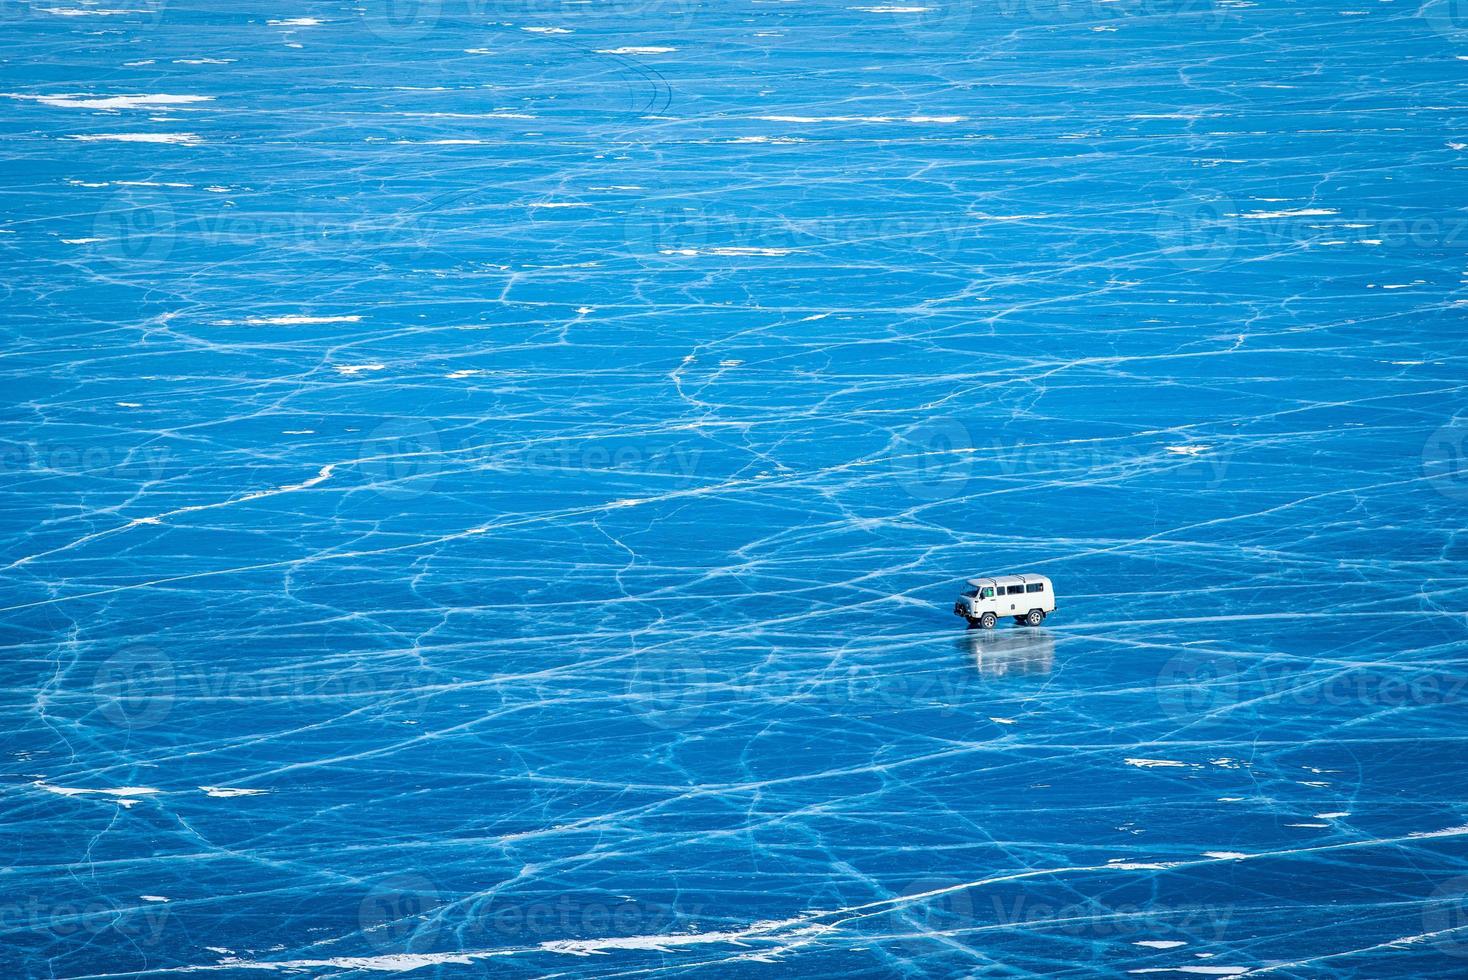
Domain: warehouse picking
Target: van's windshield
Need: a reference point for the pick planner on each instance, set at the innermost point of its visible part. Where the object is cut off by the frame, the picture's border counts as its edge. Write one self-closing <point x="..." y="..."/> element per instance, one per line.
<point x="971" y="594"/>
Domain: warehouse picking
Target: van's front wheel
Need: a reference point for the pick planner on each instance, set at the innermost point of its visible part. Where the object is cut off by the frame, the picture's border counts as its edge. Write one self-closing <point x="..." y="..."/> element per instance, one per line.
<point x="987" y="621"/>
<point x="1034" y="617"/>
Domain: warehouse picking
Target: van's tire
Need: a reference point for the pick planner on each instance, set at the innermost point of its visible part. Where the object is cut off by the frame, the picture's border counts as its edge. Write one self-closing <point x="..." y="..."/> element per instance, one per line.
<point x="987" y="621"/>
<point x="1034" y="617"/>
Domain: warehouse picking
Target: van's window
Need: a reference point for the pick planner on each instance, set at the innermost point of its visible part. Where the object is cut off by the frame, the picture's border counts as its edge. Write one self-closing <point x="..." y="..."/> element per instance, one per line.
<point x="971" y="594"/>
<point x="989" y="592"/>
<point x="1035" y="587"/>
<point x="1016" y="590"/>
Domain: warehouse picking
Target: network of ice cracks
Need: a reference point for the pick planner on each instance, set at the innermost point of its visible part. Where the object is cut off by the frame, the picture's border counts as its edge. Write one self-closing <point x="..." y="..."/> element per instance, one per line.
<point x="484" y="487"/>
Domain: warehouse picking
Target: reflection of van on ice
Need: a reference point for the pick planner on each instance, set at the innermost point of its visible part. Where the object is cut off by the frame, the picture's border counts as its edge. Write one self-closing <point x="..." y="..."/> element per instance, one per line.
<point x="1025" y="597"/>
<point x="998" y="654"/>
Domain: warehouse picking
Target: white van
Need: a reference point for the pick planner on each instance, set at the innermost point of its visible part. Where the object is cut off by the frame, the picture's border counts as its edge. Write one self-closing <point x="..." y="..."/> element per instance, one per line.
<point x="1028" y="598"/>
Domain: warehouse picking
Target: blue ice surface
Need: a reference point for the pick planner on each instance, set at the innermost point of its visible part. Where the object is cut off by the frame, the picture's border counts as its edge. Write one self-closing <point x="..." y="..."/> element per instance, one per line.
<point x="484" y="488"/>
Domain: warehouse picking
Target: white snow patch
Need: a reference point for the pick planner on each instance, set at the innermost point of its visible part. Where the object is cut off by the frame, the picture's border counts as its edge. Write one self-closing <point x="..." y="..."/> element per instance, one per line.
<point x="1296" y="213"/>
<point x="1447" y="832"/>
<point x="403" y="962"/>
<point x="862" y="119"/>
<point x="184" y="139"/>
<point x="79" y="791"/>
<point x="82" y="101"/>
<point x="125" y="795"/>
<point x="87" y="11"/>
<point x="285" y="321"/>
<point x="230" y="792"/>
<point x="728" y="250"/>
<point x="388" y="963"/>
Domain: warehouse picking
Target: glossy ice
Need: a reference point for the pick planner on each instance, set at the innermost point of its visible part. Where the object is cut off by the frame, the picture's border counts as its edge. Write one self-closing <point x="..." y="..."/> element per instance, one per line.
<point x="485" y="488"/>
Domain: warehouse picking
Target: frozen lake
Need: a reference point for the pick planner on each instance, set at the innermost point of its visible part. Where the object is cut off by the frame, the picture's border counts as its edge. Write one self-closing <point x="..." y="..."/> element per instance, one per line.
<point x="484" y="488"/>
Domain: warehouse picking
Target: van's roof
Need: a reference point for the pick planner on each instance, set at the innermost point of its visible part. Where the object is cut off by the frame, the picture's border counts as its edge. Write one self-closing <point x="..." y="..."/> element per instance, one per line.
<point x="1008" y="580"/>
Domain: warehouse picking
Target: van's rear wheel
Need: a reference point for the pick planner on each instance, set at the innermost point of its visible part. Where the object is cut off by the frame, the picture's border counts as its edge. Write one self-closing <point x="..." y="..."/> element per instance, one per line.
<point x="987" y="621"/>
<point x="1034" y="617"/>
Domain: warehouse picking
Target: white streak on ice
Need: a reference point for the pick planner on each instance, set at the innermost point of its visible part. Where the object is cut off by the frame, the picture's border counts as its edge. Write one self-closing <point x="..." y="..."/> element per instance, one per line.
<point x="111" y="102"/>
<point x="180" y="138"/>
<point x="285" y="321"/>
<point x="229" y="792"/>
